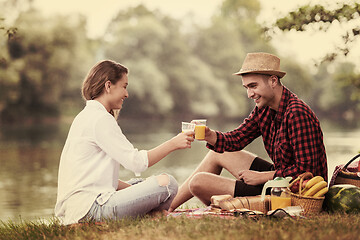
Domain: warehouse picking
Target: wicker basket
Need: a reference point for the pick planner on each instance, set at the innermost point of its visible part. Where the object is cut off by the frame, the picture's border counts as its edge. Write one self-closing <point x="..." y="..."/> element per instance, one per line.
<point x="346" y="177"/>
<point x="310" y="205"/>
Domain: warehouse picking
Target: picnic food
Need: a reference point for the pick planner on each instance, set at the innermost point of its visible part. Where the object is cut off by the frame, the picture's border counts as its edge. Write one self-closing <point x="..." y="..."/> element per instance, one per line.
<point x="231" y="204"/>
<point x="316" y="188"/>
<point x="310" y="186"/>
<point x="313" y="181"/>
<point x="217" y="198"/>
<point x="322" y="192"/>
<point x="343" y="198"/>
<point x="294" y="186"/>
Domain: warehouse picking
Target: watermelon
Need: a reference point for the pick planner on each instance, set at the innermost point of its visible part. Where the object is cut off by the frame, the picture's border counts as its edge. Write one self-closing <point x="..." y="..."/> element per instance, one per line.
<point x="342" y="198"/>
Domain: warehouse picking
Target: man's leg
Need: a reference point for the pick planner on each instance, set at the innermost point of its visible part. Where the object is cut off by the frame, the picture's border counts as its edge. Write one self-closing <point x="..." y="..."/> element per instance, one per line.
<point x="205" y="184"/>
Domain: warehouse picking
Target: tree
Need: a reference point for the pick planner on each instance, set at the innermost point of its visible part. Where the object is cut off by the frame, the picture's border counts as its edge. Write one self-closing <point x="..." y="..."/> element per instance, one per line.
<point x="223" y="45"/>
<point x="9" y="31"/>
<point x="317" y="17"/>
<point x="136" y="39"/>
<point x="44" y="57"/>
<point x="167" y="78"/>
<point x="333" y="96"/>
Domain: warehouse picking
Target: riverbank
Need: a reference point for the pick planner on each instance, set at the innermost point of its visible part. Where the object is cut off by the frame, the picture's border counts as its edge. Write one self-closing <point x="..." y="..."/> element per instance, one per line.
<point x="29" y="158"/>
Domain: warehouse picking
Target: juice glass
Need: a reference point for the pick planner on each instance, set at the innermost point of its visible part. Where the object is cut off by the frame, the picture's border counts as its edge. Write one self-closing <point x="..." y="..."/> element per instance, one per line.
<point x="186" y="126"/>
<point x="200" y="125"/>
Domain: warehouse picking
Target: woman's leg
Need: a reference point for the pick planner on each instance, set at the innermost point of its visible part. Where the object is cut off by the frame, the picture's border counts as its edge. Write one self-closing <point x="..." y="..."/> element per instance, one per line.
<point x="154" y="194"/>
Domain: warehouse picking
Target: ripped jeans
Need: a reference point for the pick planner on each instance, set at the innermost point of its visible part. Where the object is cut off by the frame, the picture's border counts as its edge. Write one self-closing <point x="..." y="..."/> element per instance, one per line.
<point x="135" y="201"/>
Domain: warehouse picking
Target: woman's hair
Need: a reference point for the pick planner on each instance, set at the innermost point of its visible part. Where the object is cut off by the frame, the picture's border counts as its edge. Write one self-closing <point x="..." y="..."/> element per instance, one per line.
<point x="99" y="74"/>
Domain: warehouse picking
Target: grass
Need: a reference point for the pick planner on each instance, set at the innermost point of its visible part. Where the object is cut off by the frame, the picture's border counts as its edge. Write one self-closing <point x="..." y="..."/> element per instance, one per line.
<point x="323" y="226"/>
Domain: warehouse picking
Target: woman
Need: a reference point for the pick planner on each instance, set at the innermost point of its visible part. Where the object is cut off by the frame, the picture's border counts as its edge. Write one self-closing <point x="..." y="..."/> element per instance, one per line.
<point x="88" y="185"/>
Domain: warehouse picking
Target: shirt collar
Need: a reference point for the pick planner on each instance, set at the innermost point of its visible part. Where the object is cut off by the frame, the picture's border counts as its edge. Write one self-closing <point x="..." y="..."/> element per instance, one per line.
<point x="95" y="104"/>
<point x="283" y="104"/>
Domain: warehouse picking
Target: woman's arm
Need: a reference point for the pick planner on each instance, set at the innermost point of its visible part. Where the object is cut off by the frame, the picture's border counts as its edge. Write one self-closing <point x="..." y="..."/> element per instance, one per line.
<point x="181" y="141"/>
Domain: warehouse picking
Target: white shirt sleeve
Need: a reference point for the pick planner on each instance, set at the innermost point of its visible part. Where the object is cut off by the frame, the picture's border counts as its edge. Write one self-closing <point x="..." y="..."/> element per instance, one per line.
<point x="113" y="142"/>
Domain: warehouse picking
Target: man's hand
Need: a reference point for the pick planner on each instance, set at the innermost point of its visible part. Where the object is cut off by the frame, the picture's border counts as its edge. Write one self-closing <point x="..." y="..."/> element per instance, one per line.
<point x="210" y="136"/>
<point x="251" y="177"/>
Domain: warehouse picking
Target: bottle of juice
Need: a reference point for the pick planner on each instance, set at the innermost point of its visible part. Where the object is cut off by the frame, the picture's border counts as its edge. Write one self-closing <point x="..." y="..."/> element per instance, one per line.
<point x="279" y="196"/>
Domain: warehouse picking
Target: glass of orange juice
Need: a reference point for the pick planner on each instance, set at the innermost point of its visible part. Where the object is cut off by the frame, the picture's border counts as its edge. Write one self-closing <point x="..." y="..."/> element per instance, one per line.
<point x="200" y="125"/>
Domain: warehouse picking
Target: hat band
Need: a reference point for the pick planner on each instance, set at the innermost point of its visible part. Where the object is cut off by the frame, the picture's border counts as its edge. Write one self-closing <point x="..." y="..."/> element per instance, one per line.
<point x="257" y="69"/>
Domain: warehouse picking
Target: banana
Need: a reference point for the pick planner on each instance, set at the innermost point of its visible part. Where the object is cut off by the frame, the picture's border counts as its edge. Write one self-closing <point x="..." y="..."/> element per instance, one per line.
<point x="321" y="192"/>
<point x="314" y="189"/>
<point x="313" y="181"/>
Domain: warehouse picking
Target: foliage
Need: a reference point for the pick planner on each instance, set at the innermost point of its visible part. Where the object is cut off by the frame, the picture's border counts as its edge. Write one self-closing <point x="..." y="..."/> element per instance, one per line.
<point x="175" y="70"/>
<point x="182" y="74"/>
<point x="321" y="18"/>
<point x="9" y="31"/>
<point x="240" y="9"/>
<point x="43" y="57"/>
<point x="333" y="96"/>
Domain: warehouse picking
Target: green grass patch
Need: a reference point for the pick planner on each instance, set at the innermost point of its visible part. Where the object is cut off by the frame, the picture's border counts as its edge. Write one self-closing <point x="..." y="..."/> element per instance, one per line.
<point x="323" y="226"/>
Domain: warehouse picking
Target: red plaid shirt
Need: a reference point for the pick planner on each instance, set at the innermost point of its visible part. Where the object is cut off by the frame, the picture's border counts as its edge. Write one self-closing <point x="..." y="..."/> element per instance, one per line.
<point x="292" y="137"/>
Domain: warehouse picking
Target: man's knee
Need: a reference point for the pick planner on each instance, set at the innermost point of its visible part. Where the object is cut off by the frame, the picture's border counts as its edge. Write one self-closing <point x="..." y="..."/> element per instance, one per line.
<point x="197" y="183"/>
<point x="212" y="155"/>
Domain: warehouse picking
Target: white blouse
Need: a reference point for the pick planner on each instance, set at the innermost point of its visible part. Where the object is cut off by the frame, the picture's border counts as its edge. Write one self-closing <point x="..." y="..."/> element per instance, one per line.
<point x="90" y="162"/>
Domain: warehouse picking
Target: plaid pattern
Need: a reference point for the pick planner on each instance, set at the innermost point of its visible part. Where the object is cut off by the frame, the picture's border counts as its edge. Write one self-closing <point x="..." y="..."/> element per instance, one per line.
<point x="292" y="137"/>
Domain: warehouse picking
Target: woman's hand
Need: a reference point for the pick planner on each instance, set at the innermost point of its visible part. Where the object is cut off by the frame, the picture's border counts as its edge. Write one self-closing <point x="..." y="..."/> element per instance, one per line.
<point x="183" y="140"/>
<point x="180" y="141"/>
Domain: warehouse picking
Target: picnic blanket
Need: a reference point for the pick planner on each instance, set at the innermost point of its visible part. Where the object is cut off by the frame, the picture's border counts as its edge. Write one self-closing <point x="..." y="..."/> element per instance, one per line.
<point x="294" y="211"/>
<point x="216" y="212"/>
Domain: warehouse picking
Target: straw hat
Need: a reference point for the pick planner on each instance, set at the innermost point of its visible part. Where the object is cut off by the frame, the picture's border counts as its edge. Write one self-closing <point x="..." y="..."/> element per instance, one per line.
<point x="263" y="63"/>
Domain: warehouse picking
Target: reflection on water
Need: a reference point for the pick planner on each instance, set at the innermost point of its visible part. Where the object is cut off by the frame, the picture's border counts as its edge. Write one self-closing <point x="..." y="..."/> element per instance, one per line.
<point x="29" y="158"/>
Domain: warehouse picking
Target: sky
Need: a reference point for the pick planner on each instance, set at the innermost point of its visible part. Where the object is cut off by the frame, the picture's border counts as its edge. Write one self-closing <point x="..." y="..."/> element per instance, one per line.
<point x="305" y="47"/>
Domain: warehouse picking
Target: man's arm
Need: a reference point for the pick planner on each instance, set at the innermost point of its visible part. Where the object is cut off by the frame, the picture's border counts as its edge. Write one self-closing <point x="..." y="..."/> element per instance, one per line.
<point x="210" y="136"/>
<point x="236" y="139"/>
<point x="251" y="177"/>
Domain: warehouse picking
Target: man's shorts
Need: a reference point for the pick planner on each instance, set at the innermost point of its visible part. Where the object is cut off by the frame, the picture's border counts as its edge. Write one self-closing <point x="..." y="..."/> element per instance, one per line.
<point x="243" y="189"/>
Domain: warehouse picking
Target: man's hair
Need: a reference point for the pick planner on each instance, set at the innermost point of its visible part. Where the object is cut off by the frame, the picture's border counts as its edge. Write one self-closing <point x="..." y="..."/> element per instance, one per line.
<point x="94" y="83"/>
<point x="264" y="76"/>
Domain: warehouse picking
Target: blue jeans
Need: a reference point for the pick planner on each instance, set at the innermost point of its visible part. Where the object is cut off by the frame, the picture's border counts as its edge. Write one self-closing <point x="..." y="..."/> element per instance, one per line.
<point x="135" y="201"/>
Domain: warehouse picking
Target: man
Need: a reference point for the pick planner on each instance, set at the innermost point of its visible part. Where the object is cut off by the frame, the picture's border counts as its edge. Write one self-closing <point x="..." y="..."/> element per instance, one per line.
<point x="290" y="130"/>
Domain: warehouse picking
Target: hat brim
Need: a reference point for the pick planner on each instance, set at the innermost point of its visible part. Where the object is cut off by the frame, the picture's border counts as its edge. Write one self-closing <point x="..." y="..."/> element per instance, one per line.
<point x="276" y="73"/>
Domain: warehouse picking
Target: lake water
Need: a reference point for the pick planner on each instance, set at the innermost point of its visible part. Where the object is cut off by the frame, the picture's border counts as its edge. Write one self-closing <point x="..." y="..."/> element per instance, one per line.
<point x="29" y="158"/>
